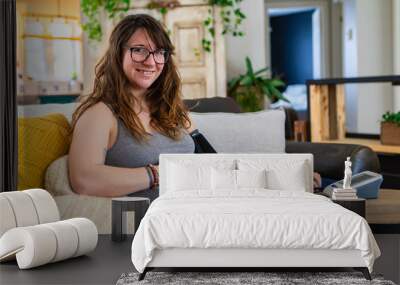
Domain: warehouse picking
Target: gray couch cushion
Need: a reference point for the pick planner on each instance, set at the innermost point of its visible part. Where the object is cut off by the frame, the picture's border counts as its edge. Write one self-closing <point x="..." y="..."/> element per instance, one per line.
<point x="258" y="132"/>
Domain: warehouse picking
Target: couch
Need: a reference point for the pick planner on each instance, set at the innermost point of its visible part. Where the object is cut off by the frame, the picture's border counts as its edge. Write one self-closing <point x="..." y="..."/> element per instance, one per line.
<point x="228" y="130"/>
<point x="328" y="157"/>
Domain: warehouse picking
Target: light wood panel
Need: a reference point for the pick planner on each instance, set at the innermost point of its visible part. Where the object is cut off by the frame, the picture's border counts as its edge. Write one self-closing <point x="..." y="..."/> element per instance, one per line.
<point x="340" y="111"/>
<point x="327" y="112"/>
<point x="319" y="112"/>
<point x="375" y="145"/>
<point x="188" y="43"/>
<point x="194" y="88"/>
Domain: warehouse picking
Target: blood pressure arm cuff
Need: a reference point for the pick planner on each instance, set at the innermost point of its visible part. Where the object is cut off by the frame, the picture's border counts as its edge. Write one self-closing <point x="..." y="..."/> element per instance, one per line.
<point x="202" y="145"/>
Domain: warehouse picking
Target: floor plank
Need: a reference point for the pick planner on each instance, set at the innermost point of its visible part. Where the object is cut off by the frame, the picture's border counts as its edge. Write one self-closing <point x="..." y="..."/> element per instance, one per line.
<point x="102" y="266"/>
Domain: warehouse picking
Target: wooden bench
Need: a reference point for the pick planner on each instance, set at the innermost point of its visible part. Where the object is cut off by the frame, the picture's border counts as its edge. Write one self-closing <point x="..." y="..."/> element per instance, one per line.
<point x="385" y="209"/>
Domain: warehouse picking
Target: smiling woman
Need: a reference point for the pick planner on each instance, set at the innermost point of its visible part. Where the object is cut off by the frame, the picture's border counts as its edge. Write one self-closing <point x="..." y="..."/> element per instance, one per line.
<point x="134" y="113"/>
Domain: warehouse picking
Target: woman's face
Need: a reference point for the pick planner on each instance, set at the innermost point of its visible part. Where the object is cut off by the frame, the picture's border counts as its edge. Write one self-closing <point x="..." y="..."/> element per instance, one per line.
<point x="141" y="75"/>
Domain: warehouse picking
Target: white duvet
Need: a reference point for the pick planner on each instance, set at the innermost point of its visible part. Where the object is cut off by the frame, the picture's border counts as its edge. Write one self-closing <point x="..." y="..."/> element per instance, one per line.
<point x="250" y="219"/>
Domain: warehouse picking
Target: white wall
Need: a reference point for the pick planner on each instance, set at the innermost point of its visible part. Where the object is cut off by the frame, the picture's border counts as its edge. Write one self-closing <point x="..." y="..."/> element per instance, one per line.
<point x="336" y="39"/>
<point x="92" y="52"/>
<point x="368" y="51"/>
<point x="316" y="43"/>
<point x="375" y="57"/>
<point x="253" y="44"/>
<point x="350" y="62"/>
<point x="396" y="51"/>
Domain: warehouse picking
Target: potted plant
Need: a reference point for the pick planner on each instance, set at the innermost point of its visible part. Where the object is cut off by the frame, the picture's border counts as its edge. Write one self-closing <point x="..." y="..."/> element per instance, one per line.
<point x="250" y="89"/>
<point x="390" y="128"/>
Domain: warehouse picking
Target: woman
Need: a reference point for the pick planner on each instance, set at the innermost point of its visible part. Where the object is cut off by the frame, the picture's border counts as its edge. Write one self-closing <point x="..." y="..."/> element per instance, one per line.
<point x="133" y="114"/>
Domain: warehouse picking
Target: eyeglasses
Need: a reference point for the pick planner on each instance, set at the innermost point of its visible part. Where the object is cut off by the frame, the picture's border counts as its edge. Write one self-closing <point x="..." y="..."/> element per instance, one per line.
<point x="141" y="54"/>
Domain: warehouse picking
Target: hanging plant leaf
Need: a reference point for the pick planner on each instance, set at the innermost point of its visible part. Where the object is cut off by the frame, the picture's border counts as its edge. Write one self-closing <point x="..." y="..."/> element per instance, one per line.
<point x="92" y="8"/>
<point x="231" y="16"/>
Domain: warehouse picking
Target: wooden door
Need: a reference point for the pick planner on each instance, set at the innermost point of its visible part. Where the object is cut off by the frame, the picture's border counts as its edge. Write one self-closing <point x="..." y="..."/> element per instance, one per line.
<point x="196" y="67"/>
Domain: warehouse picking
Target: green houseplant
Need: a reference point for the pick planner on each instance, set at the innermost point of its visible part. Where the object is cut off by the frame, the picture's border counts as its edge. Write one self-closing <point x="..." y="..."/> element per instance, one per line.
<point x="250" y="88"/>
<point x="390" y="128"/>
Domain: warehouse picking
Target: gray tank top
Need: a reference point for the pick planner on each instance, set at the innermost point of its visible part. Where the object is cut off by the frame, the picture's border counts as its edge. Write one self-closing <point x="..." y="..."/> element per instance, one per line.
<point x="129" y="152"/>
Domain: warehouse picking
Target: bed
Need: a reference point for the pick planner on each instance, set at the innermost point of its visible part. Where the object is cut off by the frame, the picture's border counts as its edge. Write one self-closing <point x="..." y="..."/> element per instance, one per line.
<point x="247" y="210"/>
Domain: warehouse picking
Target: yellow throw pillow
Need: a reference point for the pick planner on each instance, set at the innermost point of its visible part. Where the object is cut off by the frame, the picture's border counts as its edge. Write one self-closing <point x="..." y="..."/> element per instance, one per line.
<point x="41" y="140"/>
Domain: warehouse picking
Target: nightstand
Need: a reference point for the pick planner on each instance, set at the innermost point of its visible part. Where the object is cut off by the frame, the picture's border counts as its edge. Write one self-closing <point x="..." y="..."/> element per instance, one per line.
<point x="120" y="206"/>
<point x="355" y="205"/>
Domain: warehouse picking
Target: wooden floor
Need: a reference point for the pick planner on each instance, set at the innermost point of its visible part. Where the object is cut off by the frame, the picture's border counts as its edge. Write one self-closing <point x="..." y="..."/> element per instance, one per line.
<point x="110" y="259"/>
<point x="102" y="266"/>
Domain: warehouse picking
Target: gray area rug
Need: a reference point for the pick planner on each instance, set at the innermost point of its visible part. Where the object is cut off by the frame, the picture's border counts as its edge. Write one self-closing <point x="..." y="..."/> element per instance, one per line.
<point x="231" y="278"/>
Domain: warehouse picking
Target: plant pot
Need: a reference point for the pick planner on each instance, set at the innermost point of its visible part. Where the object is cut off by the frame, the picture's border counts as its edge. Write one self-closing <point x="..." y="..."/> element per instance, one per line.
<point x="390" y="133"/>
<point x="250" y="99"/>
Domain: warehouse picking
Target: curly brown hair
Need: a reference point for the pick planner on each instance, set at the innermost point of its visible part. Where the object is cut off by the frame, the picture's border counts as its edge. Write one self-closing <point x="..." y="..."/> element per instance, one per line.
<point x="111" y="86"/>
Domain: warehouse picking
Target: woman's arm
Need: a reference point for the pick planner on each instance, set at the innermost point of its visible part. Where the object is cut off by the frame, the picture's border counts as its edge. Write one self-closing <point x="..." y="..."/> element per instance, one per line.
<point x="88" y="174"/>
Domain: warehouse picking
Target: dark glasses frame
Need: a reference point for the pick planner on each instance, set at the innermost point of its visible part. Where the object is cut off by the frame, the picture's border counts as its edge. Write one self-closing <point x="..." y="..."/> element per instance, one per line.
<point x="166" y="55"/>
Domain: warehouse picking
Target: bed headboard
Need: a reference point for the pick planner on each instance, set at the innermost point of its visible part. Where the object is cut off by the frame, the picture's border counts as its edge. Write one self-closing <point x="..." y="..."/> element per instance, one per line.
<point x="289" y="170"/>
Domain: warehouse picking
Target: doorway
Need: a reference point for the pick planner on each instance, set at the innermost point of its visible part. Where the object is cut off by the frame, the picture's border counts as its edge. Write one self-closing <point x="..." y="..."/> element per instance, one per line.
<point x="292" y="36"/>
<point x="297" y="46"/>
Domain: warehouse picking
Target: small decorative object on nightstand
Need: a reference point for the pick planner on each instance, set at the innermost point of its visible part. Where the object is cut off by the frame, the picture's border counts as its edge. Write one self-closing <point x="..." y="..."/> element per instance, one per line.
<point x="346" y="196"/>
<point x="346" y="192"/>
<point x="347" y="174"/>
<point x="120" y="205"/>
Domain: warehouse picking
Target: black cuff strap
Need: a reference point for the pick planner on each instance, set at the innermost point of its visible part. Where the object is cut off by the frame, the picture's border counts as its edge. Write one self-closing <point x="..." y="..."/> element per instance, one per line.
<point x="201" y="143"/>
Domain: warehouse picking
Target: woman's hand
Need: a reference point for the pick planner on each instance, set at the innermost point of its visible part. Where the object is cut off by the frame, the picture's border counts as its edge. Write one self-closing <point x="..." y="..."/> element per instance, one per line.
<point x="317" y="180"/>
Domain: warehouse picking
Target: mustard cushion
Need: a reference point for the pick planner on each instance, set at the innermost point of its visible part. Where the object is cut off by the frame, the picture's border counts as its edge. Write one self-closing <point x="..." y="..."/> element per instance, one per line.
<point x="41" y="140"/>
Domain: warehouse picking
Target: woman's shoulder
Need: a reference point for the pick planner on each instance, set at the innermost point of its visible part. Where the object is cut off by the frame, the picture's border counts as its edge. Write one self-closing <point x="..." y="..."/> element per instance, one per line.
<point x="100" y="113"/>
<point x="99" y="109"/>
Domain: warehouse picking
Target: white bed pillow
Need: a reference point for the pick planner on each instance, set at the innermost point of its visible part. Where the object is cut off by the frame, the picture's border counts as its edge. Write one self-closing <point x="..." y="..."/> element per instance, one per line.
<point x="223" y="179"/>
<point x="293" y="180"/>
<point x="226" y="179"/>
<point x="282" y="174"/>
<point x="251" y="178"/>
<point x="183" y="178"/>
<point x="193" y="175"/>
